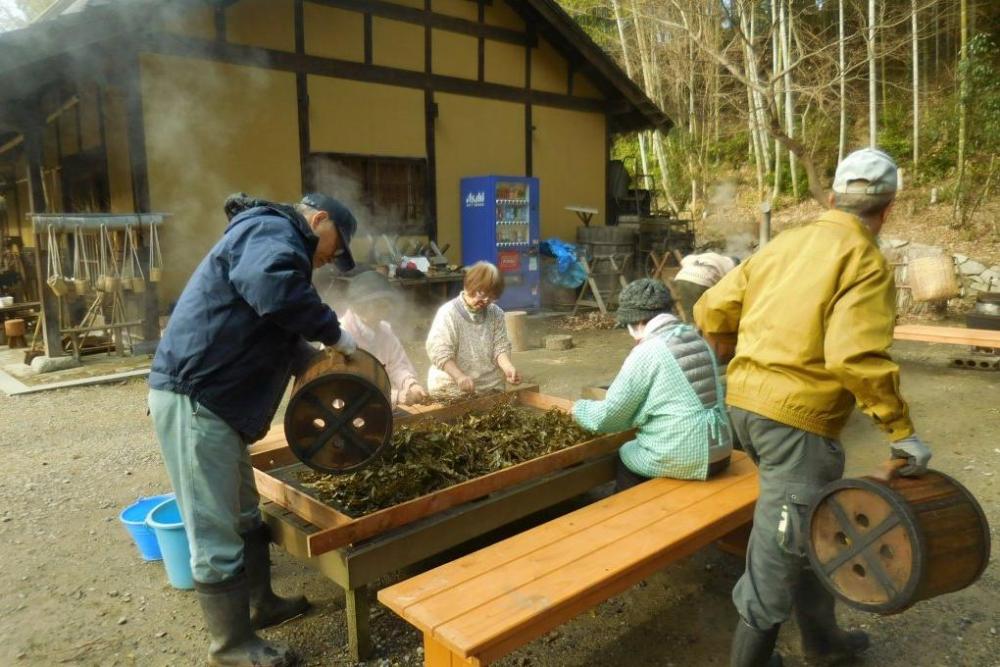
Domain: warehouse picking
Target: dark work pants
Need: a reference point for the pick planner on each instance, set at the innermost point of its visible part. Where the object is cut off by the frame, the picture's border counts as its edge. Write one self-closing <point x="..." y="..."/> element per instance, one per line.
<point x="793" y="466"/>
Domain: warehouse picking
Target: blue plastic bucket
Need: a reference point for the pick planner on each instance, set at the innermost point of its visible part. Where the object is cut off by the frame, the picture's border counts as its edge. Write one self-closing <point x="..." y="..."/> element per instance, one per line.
<point x="165" y="520"/>
<point x="133" y="518"/>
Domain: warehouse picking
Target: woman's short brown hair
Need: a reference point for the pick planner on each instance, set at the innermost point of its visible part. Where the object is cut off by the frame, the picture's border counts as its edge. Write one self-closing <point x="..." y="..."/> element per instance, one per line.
<point x="484" y="278"/>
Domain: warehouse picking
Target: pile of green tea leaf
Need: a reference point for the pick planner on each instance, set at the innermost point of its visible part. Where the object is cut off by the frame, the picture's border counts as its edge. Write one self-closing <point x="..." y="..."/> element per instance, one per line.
<point x="429" y="455"/>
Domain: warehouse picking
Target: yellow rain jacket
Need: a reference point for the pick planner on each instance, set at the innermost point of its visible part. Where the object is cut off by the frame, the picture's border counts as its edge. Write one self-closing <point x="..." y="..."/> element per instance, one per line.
<point x="814" y="312"/>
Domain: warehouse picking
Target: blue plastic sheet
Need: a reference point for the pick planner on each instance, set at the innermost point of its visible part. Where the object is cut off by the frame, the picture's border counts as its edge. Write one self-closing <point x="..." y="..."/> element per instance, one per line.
<point x="567" y="270"/>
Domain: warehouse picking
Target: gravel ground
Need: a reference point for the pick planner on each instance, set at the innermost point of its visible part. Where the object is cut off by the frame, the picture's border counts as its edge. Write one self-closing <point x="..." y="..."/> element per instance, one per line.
<point x="75" y="591"/>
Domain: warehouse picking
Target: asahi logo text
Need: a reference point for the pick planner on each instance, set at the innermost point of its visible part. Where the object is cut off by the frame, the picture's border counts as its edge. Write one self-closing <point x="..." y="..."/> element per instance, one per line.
<point x="475" y="200"/>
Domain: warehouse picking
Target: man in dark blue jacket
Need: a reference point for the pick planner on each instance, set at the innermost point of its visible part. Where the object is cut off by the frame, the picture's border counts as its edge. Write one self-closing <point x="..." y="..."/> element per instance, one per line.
<point x="239" y="331"/>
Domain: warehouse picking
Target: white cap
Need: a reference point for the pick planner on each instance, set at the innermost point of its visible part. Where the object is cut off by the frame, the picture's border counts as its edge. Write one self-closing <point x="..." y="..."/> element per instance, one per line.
<point x="870" y="165"/>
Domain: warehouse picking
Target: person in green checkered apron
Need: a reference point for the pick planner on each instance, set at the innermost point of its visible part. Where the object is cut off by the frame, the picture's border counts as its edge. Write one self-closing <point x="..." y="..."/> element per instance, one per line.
<point x="669" y="389"/>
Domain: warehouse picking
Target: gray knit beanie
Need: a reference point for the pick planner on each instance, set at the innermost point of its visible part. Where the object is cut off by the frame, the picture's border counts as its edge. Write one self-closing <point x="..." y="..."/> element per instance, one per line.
<point x="642" y="300"/>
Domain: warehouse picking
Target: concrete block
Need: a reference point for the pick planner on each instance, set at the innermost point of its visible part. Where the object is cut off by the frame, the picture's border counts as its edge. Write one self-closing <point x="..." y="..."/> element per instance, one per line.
<point x="45" y="364"/>
<point x="959" y="259"/>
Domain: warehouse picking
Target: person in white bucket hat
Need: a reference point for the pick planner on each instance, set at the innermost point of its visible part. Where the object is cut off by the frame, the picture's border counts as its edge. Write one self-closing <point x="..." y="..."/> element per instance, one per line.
<point x="812" y="315"/>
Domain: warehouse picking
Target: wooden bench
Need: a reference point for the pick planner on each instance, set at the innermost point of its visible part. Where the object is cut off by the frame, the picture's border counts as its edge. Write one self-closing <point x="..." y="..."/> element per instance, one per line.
<point x="475" y="610"/>
<point x="949" y="335"/>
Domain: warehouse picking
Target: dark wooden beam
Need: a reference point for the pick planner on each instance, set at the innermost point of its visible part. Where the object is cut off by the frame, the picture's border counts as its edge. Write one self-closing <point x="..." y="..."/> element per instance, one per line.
<point x="345" y="69"/>
<point x="481" y="54"/>
<point x="529" y="128"/>
<point x="608" y="199"/>
<point x="430" y="140"/>
<point x="138" y="166"/>
<point x="302" y="101"/>
<point x="103" y="133"/>
<point x="426" y="17"/>
<point x="220" y="23"/>
<point x="368" y="39"/>
<point x="33" y="129"/>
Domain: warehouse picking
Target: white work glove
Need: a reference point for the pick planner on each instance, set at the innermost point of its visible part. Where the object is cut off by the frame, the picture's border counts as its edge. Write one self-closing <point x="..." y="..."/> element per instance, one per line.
<point x="345" y="344"/>
<point x="915" y="452"/>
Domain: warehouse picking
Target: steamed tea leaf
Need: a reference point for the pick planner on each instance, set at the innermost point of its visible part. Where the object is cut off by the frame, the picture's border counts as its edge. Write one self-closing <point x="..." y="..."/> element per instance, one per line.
<point x="429" y="455"/>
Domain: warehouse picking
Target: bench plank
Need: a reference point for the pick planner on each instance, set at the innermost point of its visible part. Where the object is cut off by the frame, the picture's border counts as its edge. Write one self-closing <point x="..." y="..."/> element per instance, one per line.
<point x="450" y="575"/>
<point x="482" y="606"/>
<point x="948" y="335"/>
<point x="588" y="536"/>
<point x="565" y="592"/>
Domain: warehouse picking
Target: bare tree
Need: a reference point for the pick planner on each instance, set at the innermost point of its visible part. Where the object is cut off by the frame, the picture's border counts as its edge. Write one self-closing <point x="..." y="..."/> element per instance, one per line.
<point x="963" y="92"/>
<point x="872" y="95"/>
<point x="628" y="70"/>
<point x="916" y="87"/>
<point x="842" y="77"/>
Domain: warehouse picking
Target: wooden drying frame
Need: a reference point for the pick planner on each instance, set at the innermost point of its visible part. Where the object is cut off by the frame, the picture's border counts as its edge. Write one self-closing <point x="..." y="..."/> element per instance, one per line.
<point x="338" y="529"/>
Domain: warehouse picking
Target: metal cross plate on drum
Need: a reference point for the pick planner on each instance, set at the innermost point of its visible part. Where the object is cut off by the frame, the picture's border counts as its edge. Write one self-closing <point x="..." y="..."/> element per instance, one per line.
<point x="339" y="416"/>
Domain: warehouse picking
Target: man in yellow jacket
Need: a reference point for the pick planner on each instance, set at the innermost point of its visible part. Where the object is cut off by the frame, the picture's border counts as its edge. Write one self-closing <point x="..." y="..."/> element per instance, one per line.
<point x="812" y="315"/>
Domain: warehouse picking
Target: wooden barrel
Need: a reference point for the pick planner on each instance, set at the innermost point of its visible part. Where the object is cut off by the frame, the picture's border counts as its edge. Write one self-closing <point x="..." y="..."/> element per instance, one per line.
<point x="14" y="327"/>
<point x="882" y="546"/>
<point x="601" y="245"/>
<point x="340" y="415"/>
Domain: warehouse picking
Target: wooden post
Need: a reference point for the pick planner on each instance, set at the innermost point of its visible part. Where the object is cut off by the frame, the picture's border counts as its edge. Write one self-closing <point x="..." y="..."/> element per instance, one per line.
<point x="33" y="132"/>
<point x="437" y="654"/>
<point x="515" y="320"/>
<point x="359" y="639"/>
<point x="136" y="133"/>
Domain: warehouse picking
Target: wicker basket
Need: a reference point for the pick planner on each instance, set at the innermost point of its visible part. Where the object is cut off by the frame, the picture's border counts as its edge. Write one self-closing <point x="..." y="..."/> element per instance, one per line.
<point x="932" y="278"/>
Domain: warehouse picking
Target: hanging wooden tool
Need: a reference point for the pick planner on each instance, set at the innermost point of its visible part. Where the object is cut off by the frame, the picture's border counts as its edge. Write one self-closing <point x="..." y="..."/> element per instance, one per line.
<point x="135" y="278"/>
<point x="55" y="280"/>
<point x="81" y="270"/>
<point x="155" y="255"/>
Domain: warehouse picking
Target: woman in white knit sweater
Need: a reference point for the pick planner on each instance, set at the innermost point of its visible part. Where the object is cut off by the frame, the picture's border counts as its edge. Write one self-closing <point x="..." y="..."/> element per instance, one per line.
<point x="467" y="344"/>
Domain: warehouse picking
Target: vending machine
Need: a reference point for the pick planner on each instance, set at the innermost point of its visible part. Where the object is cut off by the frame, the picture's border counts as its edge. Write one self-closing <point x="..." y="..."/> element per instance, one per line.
<point x="500" y="225"/>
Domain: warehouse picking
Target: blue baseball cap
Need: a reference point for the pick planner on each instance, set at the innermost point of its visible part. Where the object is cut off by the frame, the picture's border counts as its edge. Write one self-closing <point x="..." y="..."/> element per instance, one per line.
<point x="343" y="221"/>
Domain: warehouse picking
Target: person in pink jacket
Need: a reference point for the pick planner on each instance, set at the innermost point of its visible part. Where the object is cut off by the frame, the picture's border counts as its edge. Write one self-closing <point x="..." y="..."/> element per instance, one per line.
<point x="371" y="297"/>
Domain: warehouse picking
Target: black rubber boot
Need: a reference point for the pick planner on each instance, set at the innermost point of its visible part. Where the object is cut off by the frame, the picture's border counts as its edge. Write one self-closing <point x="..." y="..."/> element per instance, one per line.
<point x="823" y="641"/>
<point x="753" y="647"/>
<point x="266" y="608"/>
<point x="226" y="607"/>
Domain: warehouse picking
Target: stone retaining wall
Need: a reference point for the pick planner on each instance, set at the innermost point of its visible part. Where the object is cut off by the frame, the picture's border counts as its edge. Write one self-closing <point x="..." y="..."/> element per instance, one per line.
<point x="974" y="277"/>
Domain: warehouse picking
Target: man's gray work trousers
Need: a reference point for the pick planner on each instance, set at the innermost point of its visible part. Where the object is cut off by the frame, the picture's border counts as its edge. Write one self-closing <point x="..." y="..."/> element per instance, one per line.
<point x="209" y="468"/>
<point x="793" y="466"/>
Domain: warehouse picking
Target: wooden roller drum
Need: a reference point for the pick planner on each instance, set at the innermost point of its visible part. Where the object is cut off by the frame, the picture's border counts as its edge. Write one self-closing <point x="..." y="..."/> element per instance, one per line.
<point x="339" y="416"/>
<point x="884" y="545"/>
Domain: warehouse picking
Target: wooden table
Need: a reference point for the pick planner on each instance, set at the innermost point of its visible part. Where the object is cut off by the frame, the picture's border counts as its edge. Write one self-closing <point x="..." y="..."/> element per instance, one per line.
<point x="433" y="281"/>
<point x="355" y="552"/>
<point x="6" y="311"/>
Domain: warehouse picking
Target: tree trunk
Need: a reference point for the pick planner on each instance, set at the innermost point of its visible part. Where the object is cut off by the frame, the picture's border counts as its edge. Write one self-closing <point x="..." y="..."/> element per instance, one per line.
<point x="628" y="70"/>
<point x="778" y="98"/>
<point x="842" y="141"/>
<point x="963" y="90"/>
<point x="649" y="87"/>
<point x="882" y="55"/>
<point x="872" y="90"/>
<point x="916" y="88"/>
<point x="786" y="39"/>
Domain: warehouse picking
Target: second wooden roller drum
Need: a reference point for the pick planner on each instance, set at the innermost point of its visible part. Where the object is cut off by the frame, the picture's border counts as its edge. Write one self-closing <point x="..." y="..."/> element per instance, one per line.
<point x="882" y="545"/>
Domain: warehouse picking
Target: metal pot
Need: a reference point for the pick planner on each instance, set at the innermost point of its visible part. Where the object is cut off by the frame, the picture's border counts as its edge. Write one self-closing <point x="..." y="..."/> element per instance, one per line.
<point x="988" y="304"/>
